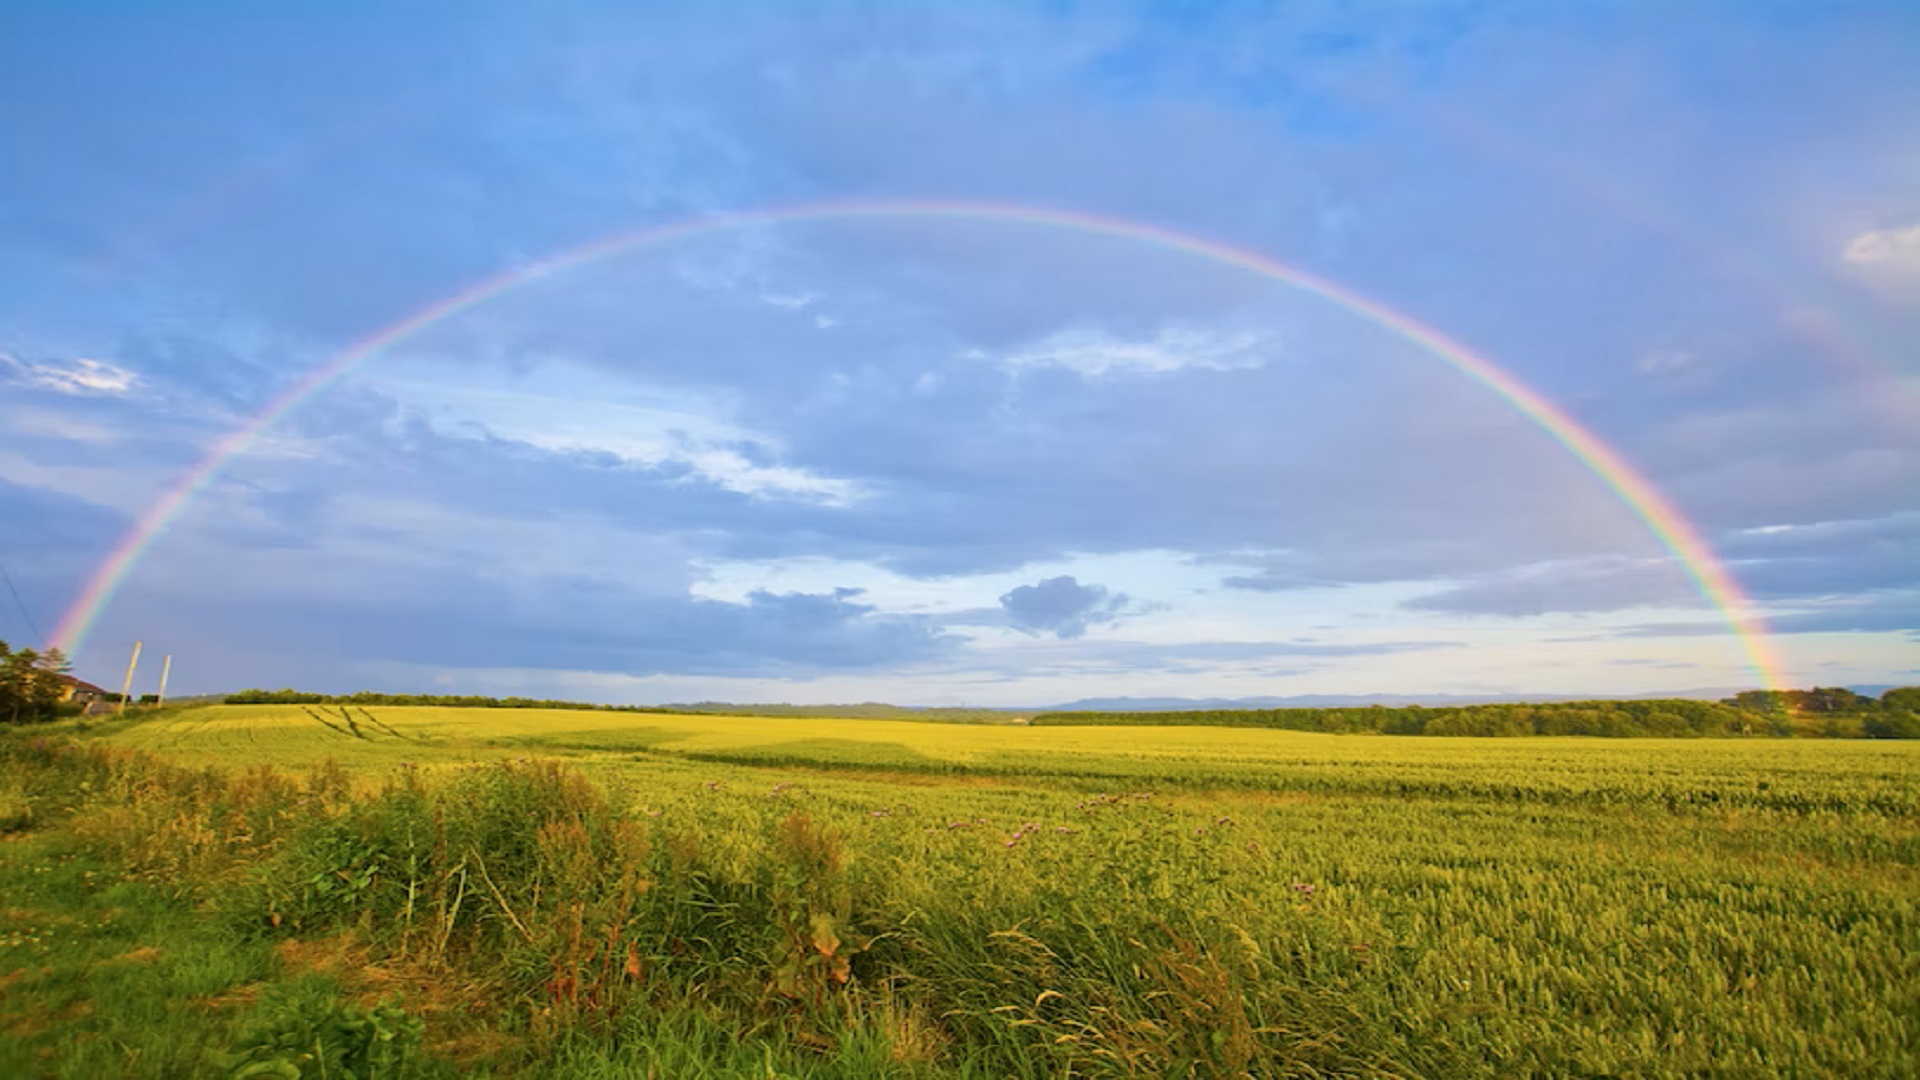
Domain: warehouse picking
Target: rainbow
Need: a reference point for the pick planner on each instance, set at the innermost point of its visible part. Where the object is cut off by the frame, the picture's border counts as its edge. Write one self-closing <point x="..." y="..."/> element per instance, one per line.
<point x="1667" y="524"/>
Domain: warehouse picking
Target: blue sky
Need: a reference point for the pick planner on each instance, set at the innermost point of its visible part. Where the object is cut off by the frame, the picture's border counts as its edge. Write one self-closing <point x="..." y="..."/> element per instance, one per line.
<point x="941" y="461"/>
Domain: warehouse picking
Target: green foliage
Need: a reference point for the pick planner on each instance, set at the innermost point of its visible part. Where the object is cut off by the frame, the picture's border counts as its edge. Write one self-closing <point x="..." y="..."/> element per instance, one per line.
<point x="1892" y="724"/>
<point x="462" y="701"/>
<point x="868" y="710"/>
<point x="1828" y="699"/>
<point x="331" y="868"/>
<point x="1824" y="712"/>
<point x="31" y="684"/>
<point x="1619" y="719"/>
<point x="305" y="1030"/>
<point x="1763" y="702"/>
<point x="1898" y="716"/>
<point x="813" y="907"/>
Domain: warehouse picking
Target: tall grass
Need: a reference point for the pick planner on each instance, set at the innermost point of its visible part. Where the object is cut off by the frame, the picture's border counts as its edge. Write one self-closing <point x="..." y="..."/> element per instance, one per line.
<point x="733" y="918"/>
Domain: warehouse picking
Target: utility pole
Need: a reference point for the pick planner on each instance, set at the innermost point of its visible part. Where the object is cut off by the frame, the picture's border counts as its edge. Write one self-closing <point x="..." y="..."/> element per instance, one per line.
<point x="165" y="667"/>
<point x="126" y="684"/>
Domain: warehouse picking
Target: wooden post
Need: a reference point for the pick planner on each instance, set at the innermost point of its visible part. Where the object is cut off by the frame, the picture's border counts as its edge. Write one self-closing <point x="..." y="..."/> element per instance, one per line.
<point x="165" y="667"/>
<point x="126" y="684"/>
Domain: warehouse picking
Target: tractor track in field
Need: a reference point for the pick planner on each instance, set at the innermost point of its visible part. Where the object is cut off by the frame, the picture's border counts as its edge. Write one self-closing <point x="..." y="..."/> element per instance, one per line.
<point x="352" y="728"/>
<point x="333" y="727"/>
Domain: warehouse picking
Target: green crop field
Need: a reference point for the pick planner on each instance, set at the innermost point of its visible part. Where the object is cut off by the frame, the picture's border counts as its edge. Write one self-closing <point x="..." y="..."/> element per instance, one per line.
<point x="440" y="891"/>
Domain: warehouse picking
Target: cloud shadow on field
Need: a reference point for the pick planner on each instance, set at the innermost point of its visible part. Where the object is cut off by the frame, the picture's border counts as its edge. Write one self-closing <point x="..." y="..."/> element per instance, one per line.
<point x="824" y="753"/>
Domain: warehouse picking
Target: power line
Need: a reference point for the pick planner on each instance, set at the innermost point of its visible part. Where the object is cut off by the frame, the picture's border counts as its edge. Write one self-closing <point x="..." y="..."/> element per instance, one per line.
<point x="17" y="602"/>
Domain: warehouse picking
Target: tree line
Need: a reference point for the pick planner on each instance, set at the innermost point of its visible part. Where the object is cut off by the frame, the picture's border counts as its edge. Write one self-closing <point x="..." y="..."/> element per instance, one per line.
<point x="461" y="701"/>
<point x="864" y="711"/>
<point x="1823" y="712"/>
<point x="33" y="687"/>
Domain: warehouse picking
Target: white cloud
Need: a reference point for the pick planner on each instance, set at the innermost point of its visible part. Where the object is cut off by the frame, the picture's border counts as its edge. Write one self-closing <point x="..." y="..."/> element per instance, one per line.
<point x="625" y="433"/>
<point x="588" y="413"/>
<point x="1888" y="260"/>
<point x="1681" y="368"/>
<point x="1894" y="248"/>
<point x="790" y="301"/>
<point x="81" y="376"/>
<point x="1095" y="352"/>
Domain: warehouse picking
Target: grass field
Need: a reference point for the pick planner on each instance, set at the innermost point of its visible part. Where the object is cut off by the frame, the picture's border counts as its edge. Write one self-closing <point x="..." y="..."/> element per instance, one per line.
<point x="729" y="896"/>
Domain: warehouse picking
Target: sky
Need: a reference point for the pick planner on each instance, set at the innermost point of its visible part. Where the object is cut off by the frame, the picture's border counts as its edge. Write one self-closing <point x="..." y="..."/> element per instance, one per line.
<point x="1054" y="449"/>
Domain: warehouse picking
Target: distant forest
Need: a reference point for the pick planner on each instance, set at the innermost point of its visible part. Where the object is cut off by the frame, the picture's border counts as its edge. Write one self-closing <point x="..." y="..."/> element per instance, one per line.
<point x="1823" y="712"/>
<point x="864" y="711"/>
<point x="458" y="701"/>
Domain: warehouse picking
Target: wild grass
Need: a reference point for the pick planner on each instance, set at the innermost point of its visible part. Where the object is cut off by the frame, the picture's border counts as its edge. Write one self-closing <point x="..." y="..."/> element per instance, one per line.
<point x="754" y="897"/>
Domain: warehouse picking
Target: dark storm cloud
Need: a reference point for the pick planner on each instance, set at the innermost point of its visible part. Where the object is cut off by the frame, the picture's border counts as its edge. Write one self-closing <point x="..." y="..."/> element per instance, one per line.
<point x="1062" y="606"/>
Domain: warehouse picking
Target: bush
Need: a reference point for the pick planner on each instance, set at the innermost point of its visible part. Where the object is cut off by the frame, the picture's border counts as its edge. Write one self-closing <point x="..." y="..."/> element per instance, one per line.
<point x="1892" y="724"/>
<point x="305" y="1030"/>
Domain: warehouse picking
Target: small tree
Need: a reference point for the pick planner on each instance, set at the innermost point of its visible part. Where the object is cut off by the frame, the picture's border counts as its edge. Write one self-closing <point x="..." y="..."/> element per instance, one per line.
<point x="31" y="683"/>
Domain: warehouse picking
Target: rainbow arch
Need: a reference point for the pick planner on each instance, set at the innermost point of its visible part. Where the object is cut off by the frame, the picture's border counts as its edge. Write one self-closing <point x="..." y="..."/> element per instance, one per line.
<point x="1672" y="529"/>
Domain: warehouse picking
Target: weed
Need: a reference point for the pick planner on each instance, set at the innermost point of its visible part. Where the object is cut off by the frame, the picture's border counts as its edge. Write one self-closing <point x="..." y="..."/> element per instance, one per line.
<point x="305" y="1030"/>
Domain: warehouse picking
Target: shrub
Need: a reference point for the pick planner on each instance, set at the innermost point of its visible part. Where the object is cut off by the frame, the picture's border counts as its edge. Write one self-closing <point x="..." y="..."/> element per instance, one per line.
<point x="304" y="1030"/>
